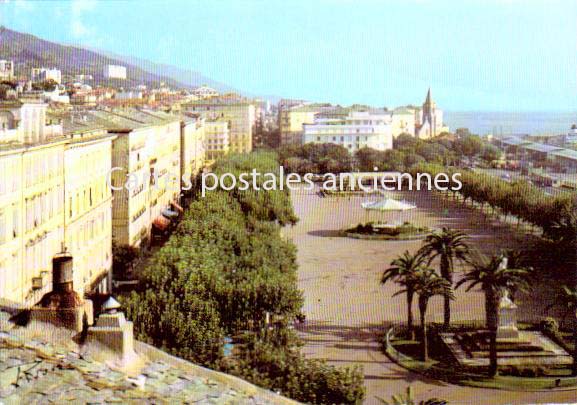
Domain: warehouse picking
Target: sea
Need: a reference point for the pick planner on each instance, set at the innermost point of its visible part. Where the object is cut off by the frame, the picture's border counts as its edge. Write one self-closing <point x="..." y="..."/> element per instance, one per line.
<point x="506" y="123"/>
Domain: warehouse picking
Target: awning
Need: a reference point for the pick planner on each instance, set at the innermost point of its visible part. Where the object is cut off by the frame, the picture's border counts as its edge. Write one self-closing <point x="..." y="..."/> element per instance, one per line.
<point x="161" y="223"/>
<point x="177" y="207"/>
<point x="169" y="213"/>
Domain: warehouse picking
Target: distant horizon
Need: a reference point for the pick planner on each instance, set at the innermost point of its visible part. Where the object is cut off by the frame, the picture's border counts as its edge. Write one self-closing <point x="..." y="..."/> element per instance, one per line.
<point x="493" y="56"/>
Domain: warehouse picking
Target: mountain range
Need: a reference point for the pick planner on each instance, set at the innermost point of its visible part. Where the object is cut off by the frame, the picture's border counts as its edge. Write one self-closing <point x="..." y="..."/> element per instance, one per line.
<point x="29" y="51"/>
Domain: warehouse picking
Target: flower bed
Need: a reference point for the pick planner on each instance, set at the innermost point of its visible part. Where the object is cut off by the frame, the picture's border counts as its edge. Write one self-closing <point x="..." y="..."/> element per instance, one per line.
<point x="405" y="353"/>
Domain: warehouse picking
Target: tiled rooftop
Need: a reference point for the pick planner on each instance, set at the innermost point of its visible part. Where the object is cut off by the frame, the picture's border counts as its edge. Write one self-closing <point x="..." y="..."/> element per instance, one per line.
<point x="34" y="370"/>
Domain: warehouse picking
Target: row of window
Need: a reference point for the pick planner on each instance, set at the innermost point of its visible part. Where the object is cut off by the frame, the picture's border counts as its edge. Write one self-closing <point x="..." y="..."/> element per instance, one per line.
<point x="83" y="199"/>
<point x="88" y="231"/>
<point x="42" y="167"/>
<point x="9" y="230"/>
<point x="9" y="175"/>
<point x="43" y="207"/>
<point x="347" y="139"/>
<point x="39" y="253"/>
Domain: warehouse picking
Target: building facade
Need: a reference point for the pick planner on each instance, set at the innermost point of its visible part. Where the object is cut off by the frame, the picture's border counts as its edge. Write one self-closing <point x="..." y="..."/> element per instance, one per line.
<point x="145" y="171"/>
<point x="217" y="140"/>
<point x="88" y="206"/>
<point x="239" y="114"/>
<point x="429" y="120"/>
<point x="6" y="69"/>
<point x="403" y="121"/>
<point x="52" y="200"/>
<point x="357" y="130"/>
<point x="291" y="121"/>
<point x="192" y="146"/>
<point x="203" y="92"/>
<point x="45" y="74"/>
<point x="114" y="72"/>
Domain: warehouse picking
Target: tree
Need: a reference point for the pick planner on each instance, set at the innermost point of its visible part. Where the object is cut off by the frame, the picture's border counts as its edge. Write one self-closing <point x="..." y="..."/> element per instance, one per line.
<point x="123" y="258"/>
<point x="448" y="245"/>
<point x="494" y="277"/>
<point x="368" y="158"/>
<point x="405" y="140"/>
<point x="46" y="85"/>
<point x="566" y="298"/>
<point x="469" y="145"/>
<point x="427" y="284"/>
<point x="403" y="271"/>
<point x="490" y="153"/>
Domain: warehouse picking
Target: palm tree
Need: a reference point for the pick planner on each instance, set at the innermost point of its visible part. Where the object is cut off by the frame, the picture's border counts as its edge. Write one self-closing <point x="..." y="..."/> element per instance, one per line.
<point x="567" y="299"/>
<point x="426" y="285"/>
<point x="449" y="245"/>
<point x="402" y="271"/>
<point x="493" y="278"/>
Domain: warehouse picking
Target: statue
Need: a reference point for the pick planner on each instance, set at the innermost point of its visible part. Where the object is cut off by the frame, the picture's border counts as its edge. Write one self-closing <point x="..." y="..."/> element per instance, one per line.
<point x="507" y="328"/>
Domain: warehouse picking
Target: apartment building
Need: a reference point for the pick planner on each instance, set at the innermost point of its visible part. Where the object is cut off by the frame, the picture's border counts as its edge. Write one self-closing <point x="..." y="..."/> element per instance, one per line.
<point x="145" y="171"/>
<point x="31" y="201"/>
<point x="240" y="115"/>
<point x="292" y="118"/>
<point x="44" y="74"/>
<point x="358" y="129"/>
<point x="192" y="145"/>
<point x="88" y="203"/>
<point x="217" y="140"/>
<point x="56" y="173"/>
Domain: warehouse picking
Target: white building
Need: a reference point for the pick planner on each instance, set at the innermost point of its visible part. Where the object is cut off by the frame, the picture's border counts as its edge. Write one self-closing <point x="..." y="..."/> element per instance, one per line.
<point x="6" y="69"/>
<point x="355" y="131"/>
<point x="128" y="95"/>
<point x="114" y="72"/>
<point x="82" y="78"/>
<point x="44" y="74"/>
<point x="205" y="92"/>
<point x="58" y="95"/>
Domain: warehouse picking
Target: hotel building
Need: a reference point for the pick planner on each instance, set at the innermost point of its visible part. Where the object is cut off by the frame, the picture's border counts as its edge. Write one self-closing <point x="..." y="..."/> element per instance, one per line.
<point x="356" y="130"/>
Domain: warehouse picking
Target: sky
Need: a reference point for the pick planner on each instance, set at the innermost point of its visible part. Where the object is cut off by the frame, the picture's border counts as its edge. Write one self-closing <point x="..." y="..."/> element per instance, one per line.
<point x="508" y="55"/>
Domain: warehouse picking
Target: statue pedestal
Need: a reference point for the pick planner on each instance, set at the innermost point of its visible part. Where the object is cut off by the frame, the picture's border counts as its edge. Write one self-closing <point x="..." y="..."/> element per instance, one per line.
<point x="507" y="328"/>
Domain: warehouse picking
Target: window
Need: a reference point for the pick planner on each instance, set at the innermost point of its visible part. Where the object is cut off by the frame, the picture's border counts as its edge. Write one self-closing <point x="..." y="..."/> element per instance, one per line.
<point x="37" y="210"/>
<point x="2" y="229"/>
<point x="15" y="221"/>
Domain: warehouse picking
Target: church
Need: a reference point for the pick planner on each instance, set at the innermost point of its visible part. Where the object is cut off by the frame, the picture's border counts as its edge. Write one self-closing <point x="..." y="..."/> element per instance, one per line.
<point x="429" y="120"/>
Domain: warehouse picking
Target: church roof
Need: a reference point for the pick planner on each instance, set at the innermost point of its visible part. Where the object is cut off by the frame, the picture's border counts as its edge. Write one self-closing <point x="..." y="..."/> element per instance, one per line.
<point x="428" y="99"/>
